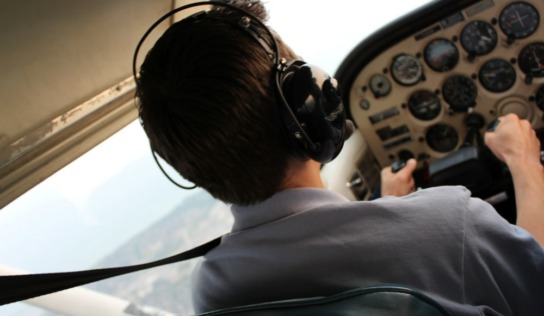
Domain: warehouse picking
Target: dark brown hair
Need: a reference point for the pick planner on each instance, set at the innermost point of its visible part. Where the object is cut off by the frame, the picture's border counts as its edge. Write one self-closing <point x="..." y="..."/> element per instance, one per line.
<point x="207" y="103"/>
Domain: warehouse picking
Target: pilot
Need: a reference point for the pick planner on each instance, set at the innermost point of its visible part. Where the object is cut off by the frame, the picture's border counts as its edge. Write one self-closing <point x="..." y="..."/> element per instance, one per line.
<point x="209" y="105"/>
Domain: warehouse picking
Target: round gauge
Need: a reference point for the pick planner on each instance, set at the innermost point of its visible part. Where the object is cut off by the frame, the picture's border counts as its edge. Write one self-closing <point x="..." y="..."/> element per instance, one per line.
<point x="441" y="54"/>
<point x="497" y="75"/>
<point x="442" y="138"/>
<point x="519" y="20"/>
<point x="424" y="105"/>
<point x="380" y="85"/>
<point x="460" y="92"/>
<point x="478" y="38"/>
<point x="531" y="59"/>
<point x="540" y="98"/>
<point x="406" y="69"/>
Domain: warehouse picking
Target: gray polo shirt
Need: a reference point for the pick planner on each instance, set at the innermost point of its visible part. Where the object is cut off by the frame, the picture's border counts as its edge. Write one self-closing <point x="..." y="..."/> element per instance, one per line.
<point x="313" y="242"/>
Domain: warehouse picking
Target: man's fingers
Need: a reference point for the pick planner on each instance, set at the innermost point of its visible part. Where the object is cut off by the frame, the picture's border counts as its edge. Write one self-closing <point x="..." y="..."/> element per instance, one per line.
<point x="409" y="167"/>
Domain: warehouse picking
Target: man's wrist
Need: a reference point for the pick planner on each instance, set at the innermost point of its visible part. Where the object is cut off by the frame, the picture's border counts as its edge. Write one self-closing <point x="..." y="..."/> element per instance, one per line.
<point x="526" y="170"/>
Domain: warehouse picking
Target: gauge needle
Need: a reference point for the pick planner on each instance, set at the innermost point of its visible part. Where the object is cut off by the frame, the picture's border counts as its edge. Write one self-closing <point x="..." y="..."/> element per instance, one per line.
<point x="537" y="59"/>
<point x="520" y="19"/>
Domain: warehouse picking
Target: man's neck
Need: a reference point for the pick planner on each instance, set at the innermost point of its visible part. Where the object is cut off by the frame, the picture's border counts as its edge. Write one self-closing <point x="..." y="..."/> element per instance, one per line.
<point x="303" y="174"/>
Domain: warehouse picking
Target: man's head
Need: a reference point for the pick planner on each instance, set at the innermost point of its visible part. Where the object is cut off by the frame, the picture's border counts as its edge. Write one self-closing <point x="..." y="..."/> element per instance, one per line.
<point x="209" y="106"/>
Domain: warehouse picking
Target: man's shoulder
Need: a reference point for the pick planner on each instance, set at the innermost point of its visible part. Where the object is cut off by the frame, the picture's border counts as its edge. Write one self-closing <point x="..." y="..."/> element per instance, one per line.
<point x="448" y="206"/>
<point x="444" y="198"/>
<point x="443" y="193"/>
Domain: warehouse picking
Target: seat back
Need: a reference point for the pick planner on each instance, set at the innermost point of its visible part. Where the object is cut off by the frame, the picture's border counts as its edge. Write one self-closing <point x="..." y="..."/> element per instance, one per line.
<point x="374" y="301"/>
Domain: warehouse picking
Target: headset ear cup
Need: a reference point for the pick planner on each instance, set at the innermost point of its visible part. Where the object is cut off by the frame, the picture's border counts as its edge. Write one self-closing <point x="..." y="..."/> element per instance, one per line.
<point x="300" y="85"/>
<point x="313" y="98"/>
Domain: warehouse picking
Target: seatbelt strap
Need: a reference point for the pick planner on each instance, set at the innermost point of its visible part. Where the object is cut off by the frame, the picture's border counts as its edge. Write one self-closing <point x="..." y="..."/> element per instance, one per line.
<point x="15" y="288"/>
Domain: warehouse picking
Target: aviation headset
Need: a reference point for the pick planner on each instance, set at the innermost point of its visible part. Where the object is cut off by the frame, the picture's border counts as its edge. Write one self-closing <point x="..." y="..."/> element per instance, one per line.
<point x="311" y="108"/>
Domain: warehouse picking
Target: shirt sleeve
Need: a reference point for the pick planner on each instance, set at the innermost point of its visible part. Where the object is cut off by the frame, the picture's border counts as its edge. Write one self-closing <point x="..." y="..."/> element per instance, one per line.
<point x="503" y="264"/>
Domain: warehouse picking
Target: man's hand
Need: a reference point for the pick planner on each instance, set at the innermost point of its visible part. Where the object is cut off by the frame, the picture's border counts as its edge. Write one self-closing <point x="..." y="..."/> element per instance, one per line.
<point x="400" y="183"/>
<point x="514" y="142"/>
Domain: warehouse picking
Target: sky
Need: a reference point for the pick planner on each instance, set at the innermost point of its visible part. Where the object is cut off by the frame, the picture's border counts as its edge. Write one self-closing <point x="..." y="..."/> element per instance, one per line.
<point x="59" y="225"/>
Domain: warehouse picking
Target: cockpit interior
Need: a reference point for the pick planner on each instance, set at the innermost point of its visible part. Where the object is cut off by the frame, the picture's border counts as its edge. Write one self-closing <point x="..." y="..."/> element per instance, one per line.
<point x="428" y="85"/>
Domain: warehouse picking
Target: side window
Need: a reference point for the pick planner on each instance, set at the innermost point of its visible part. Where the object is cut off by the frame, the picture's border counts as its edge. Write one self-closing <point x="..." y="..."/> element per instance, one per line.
<point x="112" y="207"/>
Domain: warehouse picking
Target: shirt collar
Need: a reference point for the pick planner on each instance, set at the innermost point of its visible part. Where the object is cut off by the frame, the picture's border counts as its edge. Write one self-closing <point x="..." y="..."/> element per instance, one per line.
<point x="282" y="204"/>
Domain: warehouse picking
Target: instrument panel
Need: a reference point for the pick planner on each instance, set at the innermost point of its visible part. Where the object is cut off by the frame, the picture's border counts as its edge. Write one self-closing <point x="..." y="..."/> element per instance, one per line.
<point x="428" y="85"/>
<point x="485" y="60"/>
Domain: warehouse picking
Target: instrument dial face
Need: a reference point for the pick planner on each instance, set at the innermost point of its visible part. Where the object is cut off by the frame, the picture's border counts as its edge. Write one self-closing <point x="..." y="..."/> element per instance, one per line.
<point x="441" y="55"/>
<point x="406" y="69"/>
<point x="531" y="59"/>
<point x="380" y="85"/>
<point x="519" y="20"/>
<point x="424" y="105"/>
<point x="497" y="75"/>
<point x="460" y="92"/>
<point x="540" y="98"/>
<point x="442" y="138"/>
<point x="479" y="38"/>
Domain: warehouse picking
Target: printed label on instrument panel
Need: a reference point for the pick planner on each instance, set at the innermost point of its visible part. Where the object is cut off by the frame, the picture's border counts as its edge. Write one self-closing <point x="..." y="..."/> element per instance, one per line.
<point x="384" y="115"/>
<point x="398" y="142"/>
<point x="452" y="20"/>
<point x="428" y="32"/>
<point x="479" y="7"/>
<point x="386" y="133"/>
